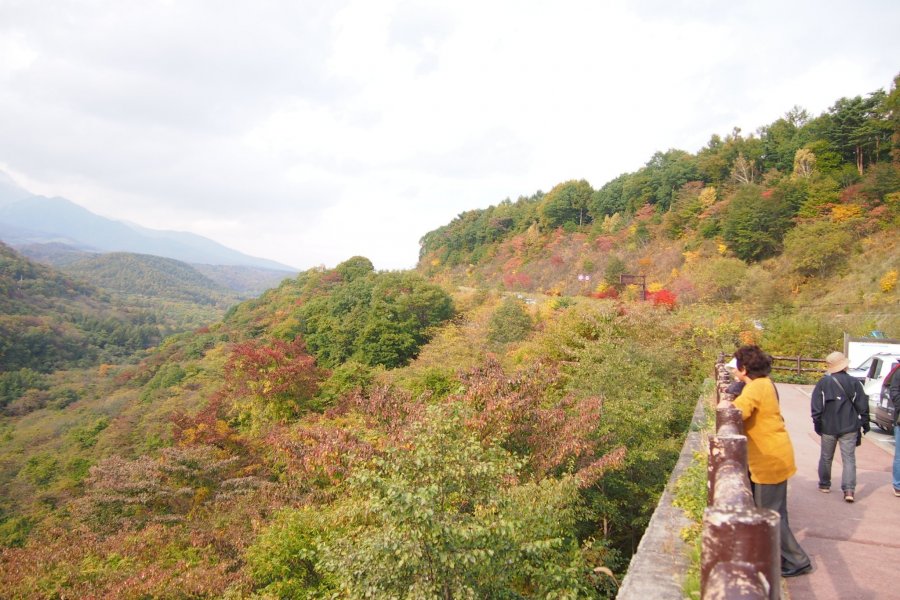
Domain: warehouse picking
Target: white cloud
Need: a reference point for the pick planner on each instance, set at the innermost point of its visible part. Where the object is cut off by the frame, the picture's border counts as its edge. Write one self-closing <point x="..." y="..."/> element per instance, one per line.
<point x="308" y="133"/>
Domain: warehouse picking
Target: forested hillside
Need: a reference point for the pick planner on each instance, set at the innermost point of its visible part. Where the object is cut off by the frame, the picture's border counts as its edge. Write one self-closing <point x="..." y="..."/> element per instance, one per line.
<point x="356" y="417"/>
<point x="150" y="276"/>
<point x="765" y="217"/>
<point x="241" y="281"/>
<point x="498" y="423"/>
<point x="49" y="321"/>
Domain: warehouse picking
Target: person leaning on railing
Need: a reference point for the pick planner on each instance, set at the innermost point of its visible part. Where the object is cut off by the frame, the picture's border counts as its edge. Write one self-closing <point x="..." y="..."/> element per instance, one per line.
<point x="770" y="453"/>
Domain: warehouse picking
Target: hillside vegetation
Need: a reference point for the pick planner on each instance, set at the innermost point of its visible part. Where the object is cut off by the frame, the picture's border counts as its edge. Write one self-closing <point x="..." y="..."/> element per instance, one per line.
<point x="773" y="219"/>
<point x="151" y="276"/>
<point x="50" y="321"/>
<point x="490" y="425"/>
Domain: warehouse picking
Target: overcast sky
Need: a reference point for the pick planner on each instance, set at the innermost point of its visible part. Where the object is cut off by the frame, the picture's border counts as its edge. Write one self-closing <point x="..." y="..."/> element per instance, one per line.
<point x="310" y="132"/>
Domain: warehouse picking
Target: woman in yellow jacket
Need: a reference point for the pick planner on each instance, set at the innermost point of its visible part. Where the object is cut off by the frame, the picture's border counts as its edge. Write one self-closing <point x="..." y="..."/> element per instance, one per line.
<point x="769" y="450"/>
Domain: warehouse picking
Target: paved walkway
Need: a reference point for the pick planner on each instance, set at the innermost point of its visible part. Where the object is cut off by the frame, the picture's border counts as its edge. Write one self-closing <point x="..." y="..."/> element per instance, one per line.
<point x="855" y="548"/>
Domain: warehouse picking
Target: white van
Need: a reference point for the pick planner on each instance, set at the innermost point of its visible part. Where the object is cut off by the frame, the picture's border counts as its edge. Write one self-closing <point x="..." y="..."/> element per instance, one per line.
<point x="872" y="373"/>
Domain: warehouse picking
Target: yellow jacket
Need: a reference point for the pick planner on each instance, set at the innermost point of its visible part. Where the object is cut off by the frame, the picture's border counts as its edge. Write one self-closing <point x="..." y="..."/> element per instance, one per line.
<point x="769" y="449"/>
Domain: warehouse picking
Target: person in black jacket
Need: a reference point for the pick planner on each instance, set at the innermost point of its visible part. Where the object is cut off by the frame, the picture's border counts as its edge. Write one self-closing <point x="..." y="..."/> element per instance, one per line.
<point x="894" y="388"/>
<point x="840" y="409"/>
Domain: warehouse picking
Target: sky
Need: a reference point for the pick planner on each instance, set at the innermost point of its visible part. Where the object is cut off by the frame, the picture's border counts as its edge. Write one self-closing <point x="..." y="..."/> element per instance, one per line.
<point x="310" y="132"/>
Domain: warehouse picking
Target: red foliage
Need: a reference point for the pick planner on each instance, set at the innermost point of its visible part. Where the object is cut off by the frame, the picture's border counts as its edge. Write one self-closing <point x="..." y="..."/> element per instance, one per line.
<point x="609" y="293"/>
<point x="279" y="369"/>
<point x="517" y="281"/>
<point x="663" y="298"/>
<point x="768" y="193"/>
<point x="331" y="277"/>
<point x="554" y="437"/>
<point x="318" y="454"/>
<point x="391" y="409"/>
<point x="556" y="260"/>
<point x="605" y="243"/>
<point x="645" y="212"/>
<point x="209" y="427"/>
<point x="156" y="562"/>
<point x="851" y="193"/>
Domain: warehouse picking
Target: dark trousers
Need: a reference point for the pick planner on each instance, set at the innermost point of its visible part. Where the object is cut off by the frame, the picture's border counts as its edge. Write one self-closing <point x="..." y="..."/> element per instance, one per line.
<point x="774" y="496"/>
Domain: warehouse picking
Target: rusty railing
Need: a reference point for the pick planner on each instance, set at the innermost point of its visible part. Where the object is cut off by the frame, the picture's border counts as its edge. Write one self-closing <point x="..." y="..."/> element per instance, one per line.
<point x="740" y="555"/>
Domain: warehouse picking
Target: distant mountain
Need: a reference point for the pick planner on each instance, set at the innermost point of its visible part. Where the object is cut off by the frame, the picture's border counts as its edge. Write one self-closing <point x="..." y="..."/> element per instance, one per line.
<point x="27" y="218"/>
<point x="150" y="276"/>
<point x="54" y="254"/>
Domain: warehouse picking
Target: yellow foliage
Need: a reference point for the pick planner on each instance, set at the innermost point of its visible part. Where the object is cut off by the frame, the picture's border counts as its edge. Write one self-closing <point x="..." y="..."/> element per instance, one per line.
<point x="630" y="292"/>
<point x="675" y="273"/>
<point x="892" y="201"/>
<point x="690" y="256"/>
<point x="722" y="248"/>
<point x="601" y="287"/>
<point x="103" y="370"/>
<point x="654" y="287"/>
<point x="645" y="262"/>
<point x="747" y="337"/>
<point x="611" y="223"/>
<point x="889" y="282"/>
<point x="708" y="196"/>
<point x="844" y="212"/>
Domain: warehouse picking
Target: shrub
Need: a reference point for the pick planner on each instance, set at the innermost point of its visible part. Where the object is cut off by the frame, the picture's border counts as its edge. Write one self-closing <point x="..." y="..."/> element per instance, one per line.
<point x="15" y="383"/>
<point x="510" y="322"/>
<point x="663" y="298"/>
<point x="818" y="248"/>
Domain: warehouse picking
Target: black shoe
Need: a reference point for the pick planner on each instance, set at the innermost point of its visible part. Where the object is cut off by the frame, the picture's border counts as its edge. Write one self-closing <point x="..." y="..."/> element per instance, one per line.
<point x="795" y="572"/>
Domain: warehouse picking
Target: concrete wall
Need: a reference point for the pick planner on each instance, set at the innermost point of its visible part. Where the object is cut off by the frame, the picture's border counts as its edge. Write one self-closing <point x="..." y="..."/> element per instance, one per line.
<point x="658" y="567"/>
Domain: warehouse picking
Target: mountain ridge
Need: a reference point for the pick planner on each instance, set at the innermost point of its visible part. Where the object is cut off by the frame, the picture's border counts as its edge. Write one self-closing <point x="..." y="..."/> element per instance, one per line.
<point x="27" y="218"/>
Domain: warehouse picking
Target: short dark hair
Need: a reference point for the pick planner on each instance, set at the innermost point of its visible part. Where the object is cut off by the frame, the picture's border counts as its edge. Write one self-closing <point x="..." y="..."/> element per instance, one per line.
<point x="754" y="360"/>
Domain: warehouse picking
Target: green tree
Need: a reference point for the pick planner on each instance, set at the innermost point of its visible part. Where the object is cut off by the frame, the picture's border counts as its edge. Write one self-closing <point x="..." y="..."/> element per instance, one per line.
<point x="510" y="322"/>
<point x="615" y="268"/>
<point x="668" y="172"/>
<point x="376" y="319"/>
<point x="358" y="266"/>
<point x="859" y="130"/>
<point x="783" y="138"/>
<point x="753" y="225"/>
<point x="444" y="519"/>
<point x="718" y="278"/>
<point x="609" y="199"/>
<point x="818" y="247"/>
<point x="442" y="516"/>
<point x="567" y="203"/>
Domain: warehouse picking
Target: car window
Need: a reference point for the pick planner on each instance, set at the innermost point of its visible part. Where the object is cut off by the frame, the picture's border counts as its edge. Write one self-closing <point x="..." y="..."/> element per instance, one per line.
<point x="875" y="369"/>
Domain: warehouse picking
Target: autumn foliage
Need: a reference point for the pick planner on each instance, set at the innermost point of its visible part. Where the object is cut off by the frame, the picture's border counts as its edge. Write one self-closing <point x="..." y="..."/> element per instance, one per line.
<point x="664" y="298"/>
<point x="271" y="380"/>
